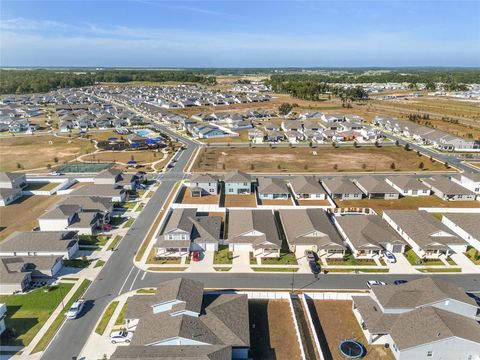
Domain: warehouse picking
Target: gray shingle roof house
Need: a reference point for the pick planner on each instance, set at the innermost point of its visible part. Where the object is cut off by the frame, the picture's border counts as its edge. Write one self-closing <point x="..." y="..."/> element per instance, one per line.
<point x="369" y="235"/>
<point x="179" y="317"/>
<point x="446" y="189"/>
<point x="237" y="183"/>
<point x="425" y="318"/>
<point x="272" y="189"/>
<point x="427" y="236"/>
<point x="307" y="188"/>
<point x="10" y="180"/>
<point x="467" y="226"/>
<point x="70" y="217"/>
<point x="113" y="192"/>
<point x="203" y="184"/>
<point x="185" y="232"/>
<point x="408" y="185"/>
<point x="376" y="188"/>
<point x="311" y="229"/>
<point x="7" y="196"/>
<point x="254" y="231"/>
<point x="117" y="177"/>
<point x="342" y="188"/>
<point x="91" y="204"/>
<point x="179" y="352"/>
<point x="15" y="277"/>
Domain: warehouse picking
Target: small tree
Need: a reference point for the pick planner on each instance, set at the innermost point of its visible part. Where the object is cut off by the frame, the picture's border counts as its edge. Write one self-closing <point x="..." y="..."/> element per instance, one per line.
<point x="19" y="166"/>
<point x="421" y="165"/>
<point x="418" y="153"/>
<point x="279" y="167"/>
<point x="447" y="165"/>
<point x="335" y="167"/>
<point x="364" y="166"/>
<point x="285" y="108"/>
<point x="397" y="142"/>
<point x="306" y="167"/>
<point x="392" y="166"/>
<point x="355" y="144"/>
<point x="49" y="166"/>
<point x="407" y="147"/>
<point x="432" y="159"/>
<point x="252" y="167"/>
<point x="223" y="166"/>
<point x="55" y="159"/>
<point x="377" y="143"/>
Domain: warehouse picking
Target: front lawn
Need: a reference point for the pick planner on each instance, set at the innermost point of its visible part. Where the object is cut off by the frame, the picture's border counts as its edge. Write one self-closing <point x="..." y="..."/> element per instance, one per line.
<point x="99" y="263"/>
<point x="117" y="220"/>
<point x="77" y="263"/>
<point x="129" y="223"/>
<point x="414" y="259"/>
<point x="473" y="254"/>
<point x="114" y="242"/>
<point x="222" y="256"/>
<point x="348" y="259"/>
<point x="274" y="269"/>
<point x="219" y="268"/>
<point x="92" y="240"/>
<point x="27" y="313"/>
<point x="286" y="258"/>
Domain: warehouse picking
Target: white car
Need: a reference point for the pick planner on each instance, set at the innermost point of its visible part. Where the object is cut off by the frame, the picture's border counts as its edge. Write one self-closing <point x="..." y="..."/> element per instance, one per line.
<point x="121" y="336"/>
<point x="390" y="257"/>
<point x="371" y="283"/>
<point x="75" y="309"/>
<point x="55" y="173"/>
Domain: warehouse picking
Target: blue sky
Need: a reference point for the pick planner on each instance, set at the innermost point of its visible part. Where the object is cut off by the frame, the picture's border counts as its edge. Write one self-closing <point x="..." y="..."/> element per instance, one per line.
<point x="150" y="33"/>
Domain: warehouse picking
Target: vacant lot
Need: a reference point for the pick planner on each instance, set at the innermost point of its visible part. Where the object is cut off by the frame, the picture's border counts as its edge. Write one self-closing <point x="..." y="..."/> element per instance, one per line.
<point x="405" y="203"/>
<point x="242" y="137"/>
<point x="305" y="160"/>
<point x="287" y="202"/>
<point x="272" y="333"/>
<point x="31" y="152"/>
<point x="184" y="197"/>
<point x="140" y="157"/>
<point x="336" y="319"/>
<point x="30" y="208"/>
<point x="241" y="200"/>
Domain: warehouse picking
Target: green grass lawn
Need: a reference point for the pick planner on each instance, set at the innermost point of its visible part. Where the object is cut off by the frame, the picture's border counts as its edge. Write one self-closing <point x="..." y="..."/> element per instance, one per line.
<point x="114" y="242"/>
<point x="440" y="270"/>
<point x="41" y="186"/>
<point x="415" y="260"/>
<point x="98" y="240"/>
<point x="274" y="269"/>
<point x="99" y="263"/>
<point x="219" y="268"/>
<point x="286" y="258"/>
<point x="129" y="223"/>
<point x="364" y="270"/>
<point x="77" y="263"/>
<point x="140" y="207"/>
<point x="348" y="259"/>
<point x="117" y="220"/>
<point x="121" y="316"/>
<point x="52" y="330"/>
<point x="146" y="291"/>
<point x="107" y="315"/>
<point x="27" y="313"/>
<point x="473" y="254"/>
<point x="222" y="256"/>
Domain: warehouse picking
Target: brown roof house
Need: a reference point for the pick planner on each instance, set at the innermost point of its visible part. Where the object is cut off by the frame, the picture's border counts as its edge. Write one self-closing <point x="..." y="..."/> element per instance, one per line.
<point x="422" y="319"/>
<point x="254" y="231"/>
<point x="180" y="321"/>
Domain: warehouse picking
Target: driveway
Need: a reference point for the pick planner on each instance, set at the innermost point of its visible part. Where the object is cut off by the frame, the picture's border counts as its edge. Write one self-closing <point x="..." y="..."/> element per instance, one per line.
<point x="402" y="266"/>
<point x="465" y="263"/>
<point x="204" y="265"/>
<point x="241" y="261"/>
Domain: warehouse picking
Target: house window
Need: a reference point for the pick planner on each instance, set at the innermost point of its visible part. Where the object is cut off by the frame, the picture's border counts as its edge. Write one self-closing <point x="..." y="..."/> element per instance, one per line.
<point x="429" y="353"/>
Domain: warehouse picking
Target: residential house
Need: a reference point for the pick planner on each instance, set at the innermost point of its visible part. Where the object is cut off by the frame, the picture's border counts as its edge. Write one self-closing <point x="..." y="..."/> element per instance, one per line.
<point x="307" y="188"/>
<point x="274" y="136"/>
<point x="254" y="231"/>
<point x="237" y="183"/>
<point x="7" y="196"/>
<point x="446" y="189"/>
<point x="311" y="229"/>
<point x="115" y="193"/>
<point x="117" y="177"/>
<point x="469" y="180"/>
<point x="408" y="185"/>
<point x="272" y="189"/>
<point x="467" y="226"/>
<point x="342" y="189"/>
<point x="10" y="180"/>
<point x="256" y="136"/>
<point x="423" y="319"/>
<point x="375" y="188"/>
<point x="180" y="321"/>
<point x="203" y="184"/>
<point x="329" y="118"/>
<point x="426" y="235"/>
<point x="185" y="232"/>
<point x="368" y="235"/>
<point x="95" y="204"/>
<point x="14" y="275"/>
<point x="70" y="217"/>
<point x="3" y="311"/>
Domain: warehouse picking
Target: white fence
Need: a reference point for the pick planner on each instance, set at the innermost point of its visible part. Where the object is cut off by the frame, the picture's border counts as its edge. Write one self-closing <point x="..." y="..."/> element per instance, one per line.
<point x="62" y="184"/>
<point x="453" y="210"/>
<point x="312" y="327"/>
<point x="332" y="295"/>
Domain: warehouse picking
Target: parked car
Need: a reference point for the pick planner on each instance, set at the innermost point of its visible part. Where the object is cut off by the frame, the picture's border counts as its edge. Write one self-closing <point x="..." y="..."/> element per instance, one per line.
<point x="314" y="268"/>
<point x="310" y="255"/>
<point x="121" y="336"/>
<point x="400" y="282"/>
<point x="76" y="309"/>
<point x="196" y="256"/>
<point x="55" y="173"/>
<point x="371" y="283"/>
<point x="107" y="227"/>
<point x="390" y="257"/>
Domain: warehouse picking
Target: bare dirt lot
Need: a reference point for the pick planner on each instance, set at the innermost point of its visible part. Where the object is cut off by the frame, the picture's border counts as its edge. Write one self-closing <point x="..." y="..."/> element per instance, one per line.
<point x="278" y="202"/>
<point x="184" y="197"/>
<point x="273" y="160"/>
<point x="313" y="202"/>
<point x="240" y="200"/>
<point x="336" y="319"/>
<point x="272" y="334"/>
<point x="30" y="208"/>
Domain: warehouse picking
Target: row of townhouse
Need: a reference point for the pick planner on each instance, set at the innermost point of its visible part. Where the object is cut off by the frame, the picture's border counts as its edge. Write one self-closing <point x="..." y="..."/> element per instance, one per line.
<point x="17" y="118"/>
<point x="39" y="254"/>
<point x="427" y="136"/>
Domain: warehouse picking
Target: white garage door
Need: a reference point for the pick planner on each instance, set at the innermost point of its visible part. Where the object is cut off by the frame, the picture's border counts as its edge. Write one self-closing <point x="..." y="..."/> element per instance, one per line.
<point x="240" y="247"/>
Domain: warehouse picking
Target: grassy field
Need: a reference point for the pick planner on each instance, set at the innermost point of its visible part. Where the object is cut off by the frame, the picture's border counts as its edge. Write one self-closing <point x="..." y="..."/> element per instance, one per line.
<point x="121" y="316"/>
<point x="107" y="315"/>
<point x="36" y="151"/>
<point x="326" y="159"/>
<point x="27" y="313"/>
<point x="405" y="203"/>
<point x="272" y="333"/>
<point x="335" y="319"/>
<point x="141" y="157"/>
<point x="114" y="242"/>
<point x="98" y="240"/>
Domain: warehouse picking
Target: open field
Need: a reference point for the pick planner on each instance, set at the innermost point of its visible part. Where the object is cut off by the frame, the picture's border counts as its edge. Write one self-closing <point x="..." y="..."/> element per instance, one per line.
<point x="184" y="197"/>
<point x="26" y="313"/>
<point x="31" y="207"/>
<point x="36" y="151"/>
<point x="336" y="319"/>
<point x="241" y="200"/>
<point x="272" y="334"/>
<point x="405" y="203"/>
<point x="141" y="157"/>
<point x="274" y="160"/>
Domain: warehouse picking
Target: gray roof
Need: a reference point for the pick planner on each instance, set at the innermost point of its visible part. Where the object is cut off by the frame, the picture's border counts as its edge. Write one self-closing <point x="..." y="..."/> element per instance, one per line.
<point x="10" y="176"/>
<point x="368" y="231"/>
<point x="4" y="193"/>
<point x="203" y="178"/>
<point x="272" y="186"/>
<point x="39" y="241"/>
<point x="406" y="182"/>
<point x="446" y="186"/>
<point x="310" y="227"/>
<point x="467" y="222"/>
<point x="62" y="211"/>
<point x="237" y="176"/>
<point x="11" y="270"/>
<point x="98" y="190"/>
<point x="171" y="352"/>
<point x="372" y="185"/>
<point x="256" y="227"/>
<point x="473" y="176"/>
<point x="306" y="185"/>
<point x="341" y="186"/>
<point x="422" y="227"/>
<point x="108" y="174"/>
<point x="89" y="203"/>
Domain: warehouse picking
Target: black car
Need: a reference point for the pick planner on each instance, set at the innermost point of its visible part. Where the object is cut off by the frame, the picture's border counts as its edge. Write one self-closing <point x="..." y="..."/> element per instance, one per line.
<point x="314" y="268"/>
<point x="400" y="282"/>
